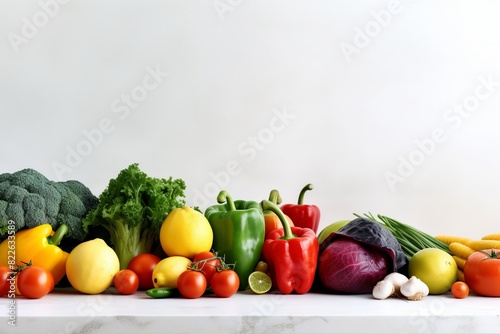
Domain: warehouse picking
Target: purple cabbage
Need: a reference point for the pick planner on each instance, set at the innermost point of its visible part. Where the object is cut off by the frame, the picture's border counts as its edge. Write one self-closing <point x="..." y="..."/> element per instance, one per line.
<point x="357" y="256"/>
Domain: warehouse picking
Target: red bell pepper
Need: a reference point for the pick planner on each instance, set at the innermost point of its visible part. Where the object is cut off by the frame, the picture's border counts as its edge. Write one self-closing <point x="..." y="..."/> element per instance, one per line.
<point x="291" y="254"/>
<point x="303" y="215"/>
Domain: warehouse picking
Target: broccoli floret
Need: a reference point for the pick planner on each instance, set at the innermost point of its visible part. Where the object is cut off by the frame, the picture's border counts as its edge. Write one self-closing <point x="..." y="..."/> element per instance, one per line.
<point x="3" y="209"/>
<point x="84" y="194"/>
<point x="30" y="199"/>
<point x="34" y="211"/>
<point x="12" y="212"/>
<point x="132" y="208"/>
<point x="71" y="212"/>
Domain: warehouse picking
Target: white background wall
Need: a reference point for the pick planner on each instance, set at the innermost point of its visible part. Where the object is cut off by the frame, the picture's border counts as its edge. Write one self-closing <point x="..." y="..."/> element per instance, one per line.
<point x="386" y="107"/>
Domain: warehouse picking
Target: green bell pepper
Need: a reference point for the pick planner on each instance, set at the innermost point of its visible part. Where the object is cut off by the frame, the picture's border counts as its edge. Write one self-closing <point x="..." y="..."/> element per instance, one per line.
<point x="238" y="228"/>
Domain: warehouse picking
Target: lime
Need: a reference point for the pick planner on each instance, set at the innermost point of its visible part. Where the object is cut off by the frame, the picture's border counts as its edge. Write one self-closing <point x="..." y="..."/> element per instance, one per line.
<point x="259" y="282"/>
<point x="434" y="267"/>
<point x="334" y="227"/>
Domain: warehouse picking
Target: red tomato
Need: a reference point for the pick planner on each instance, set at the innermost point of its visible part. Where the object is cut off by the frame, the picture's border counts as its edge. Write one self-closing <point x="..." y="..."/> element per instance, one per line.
<point x="143" y="265"/>
<point x="460" y="290"/>
<point x="225" y="283"/>
<point x="126" y="282"/>
<point x="208" y="267"/>
<point x="35" y="282"/>
<point x="482" y="272"/>
<point x="192" y="284"/>
<point x="4" y="282"/>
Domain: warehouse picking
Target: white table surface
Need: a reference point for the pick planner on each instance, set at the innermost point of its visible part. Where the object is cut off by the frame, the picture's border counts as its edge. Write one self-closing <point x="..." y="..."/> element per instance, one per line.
<point x="67" y="311"/>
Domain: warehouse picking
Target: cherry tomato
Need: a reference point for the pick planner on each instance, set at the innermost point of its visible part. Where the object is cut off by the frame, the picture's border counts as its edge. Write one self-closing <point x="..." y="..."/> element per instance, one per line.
<point x="126" y="282"/>
<point x="225" y="283"/>
<point x="192" y="284"/>
<point x="4" y="280"/>
<point x="35" y="282"/>
<point x="460" y="290"/>
<point x="482" y="272"/>
<point x="208" y="267"/>
<point x="143" y="265"/>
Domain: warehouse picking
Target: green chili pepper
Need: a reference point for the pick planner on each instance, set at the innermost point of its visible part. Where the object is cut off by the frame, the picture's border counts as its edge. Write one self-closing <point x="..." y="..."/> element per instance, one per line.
<point x="162" y="292"/>
<point x="238" y="228"/>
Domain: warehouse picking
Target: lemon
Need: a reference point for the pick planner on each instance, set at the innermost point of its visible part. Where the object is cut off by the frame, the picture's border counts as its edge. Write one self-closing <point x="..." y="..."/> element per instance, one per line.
<point x="91" y="266"/>
<point x="434" y="267"/>
<point x="167" y="271"/>
<point x="185" y="232"/>
<point x="259" y="282"/>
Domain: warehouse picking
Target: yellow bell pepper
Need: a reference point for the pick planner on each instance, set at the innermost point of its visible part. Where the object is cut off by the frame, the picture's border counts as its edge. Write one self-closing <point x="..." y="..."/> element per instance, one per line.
<point x="38" y="245"/>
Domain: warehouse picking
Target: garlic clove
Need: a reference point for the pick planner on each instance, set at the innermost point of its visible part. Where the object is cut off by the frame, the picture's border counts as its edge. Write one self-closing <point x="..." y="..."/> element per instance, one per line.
<point x="414" y="289"/>
<point x="383" y="289"/>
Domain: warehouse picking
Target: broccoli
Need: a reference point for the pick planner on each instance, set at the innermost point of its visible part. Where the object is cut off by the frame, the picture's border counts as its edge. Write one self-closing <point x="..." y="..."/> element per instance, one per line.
<point x="30" y="199"/>
<point x="132" y="208"/>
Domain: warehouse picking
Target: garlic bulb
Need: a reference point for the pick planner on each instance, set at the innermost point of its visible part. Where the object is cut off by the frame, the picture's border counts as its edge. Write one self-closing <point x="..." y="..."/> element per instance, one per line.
<point x="414" y="289"/>
<point x="397" y="280"/>
<point x="383" y="289"/>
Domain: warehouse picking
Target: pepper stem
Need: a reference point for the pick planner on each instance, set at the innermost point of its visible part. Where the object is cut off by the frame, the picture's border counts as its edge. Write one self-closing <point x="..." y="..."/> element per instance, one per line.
<point x="225" y="197"/>
<point x="275" y="197"/>
<point x="268" y="205"/>
<point x="308" y="186"/>
<point x="56" y="238"/>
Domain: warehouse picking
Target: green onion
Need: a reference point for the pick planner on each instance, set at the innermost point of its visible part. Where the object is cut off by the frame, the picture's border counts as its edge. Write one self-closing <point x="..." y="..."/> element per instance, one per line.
<point x="410" y="238"/>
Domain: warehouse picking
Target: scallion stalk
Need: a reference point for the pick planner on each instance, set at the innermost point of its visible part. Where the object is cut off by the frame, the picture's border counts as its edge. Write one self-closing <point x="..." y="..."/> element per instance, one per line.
<point x="410" y="238"/>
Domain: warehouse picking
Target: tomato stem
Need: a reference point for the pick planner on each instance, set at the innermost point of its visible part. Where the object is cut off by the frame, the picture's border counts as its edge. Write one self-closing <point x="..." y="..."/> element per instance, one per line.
<point x="196" y="265"/>
<point x="492" y="255"/>
<point x="220" y="267"/>
<point x="21" y="268"/>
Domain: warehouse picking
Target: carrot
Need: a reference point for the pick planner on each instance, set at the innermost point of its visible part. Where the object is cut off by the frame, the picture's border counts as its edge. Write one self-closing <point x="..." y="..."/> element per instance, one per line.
<point x="494" y="236"/>
<point x="460" y="261"/>
<point x="460" y="275"/>
<point x="483" y="244"/>
<point x="461" y="250"/>
<point x="448" y="239"/>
